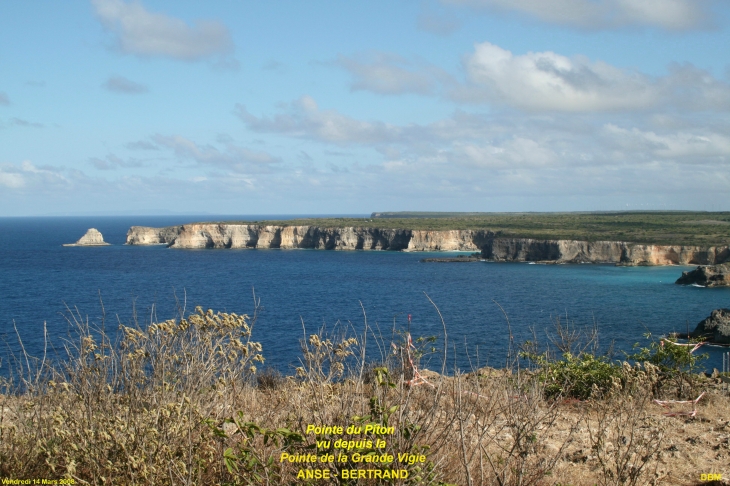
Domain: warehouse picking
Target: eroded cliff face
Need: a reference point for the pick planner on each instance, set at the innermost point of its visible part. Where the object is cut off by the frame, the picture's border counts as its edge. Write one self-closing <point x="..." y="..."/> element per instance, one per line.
<point x="620" y="252"/>
<point x="493" y="247"/>
<point x="260" y="236"/>
<point x="452" y="240"/>
<point x="144" y="235"/>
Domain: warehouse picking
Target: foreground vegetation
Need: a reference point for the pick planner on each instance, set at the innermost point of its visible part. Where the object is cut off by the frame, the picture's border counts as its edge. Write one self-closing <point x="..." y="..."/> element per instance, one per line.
<point x="182" y="402"/>
<point x="650" y="227"/>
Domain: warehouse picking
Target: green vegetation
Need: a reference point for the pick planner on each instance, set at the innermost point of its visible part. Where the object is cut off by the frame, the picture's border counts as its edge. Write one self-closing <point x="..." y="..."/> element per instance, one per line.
<point x="676" y="366"/>
<point x="579" y="376"/>
<point x="649" y="227"/>
<point x="570" y="366"/>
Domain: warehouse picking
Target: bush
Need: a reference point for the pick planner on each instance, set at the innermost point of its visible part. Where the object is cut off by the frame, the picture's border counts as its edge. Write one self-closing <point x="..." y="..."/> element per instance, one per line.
<point x="580" y="376"/>
<point x="677" y="366"/>
<point x="270" y="379"/>
<point x="135" y="412"/>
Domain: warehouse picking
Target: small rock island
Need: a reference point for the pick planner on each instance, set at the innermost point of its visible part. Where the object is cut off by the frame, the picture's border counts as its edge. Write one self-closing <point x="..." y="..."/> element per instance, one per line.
<point x="707" y="276"/>
<point x="92" y="238"/>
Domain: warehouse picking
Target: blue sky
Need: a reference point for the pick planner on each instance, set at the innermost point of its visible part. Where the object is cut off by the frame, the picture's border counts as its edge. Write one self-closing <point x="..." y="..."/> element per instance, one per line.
<point x="324" y="107"/>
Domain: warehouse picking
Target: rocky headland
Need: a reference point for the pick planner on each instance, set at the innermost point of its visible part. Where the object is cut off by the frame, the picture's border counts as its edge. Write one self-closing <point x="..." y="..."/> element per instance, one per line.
<point x="92" y="237"/>
<point x="707" y="276"/>
<point x="714" y="329"/>
<point x="492" y="245"/>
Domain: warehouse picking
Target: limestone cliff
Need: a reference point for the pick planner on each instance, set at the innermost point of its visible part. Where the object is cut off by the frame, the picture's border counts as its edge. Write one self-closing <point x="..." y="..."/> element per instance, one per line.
<point x="144" y="235"/>
<point x="619" y="252"/>
<point x="492" y="246"/>
<point x="92" y="237"/>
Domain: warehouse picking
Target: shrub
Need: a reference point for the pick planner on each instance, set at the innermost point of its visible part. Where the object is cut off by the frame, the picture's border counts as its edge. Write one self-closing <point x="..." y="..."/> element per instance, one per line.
<point x="677" y="366"/>
<point x="580" y="376"/>
<point x="270" y="379"/>
<point x="132" y="413"/>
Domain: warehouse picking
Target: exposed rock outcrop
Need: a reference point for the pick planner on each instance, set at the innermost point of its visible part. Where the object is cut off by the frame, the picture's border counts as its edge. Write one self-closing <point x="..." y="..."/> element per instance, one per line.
<point x="491" y="245"/>
<point x="716" y="328"/>
<point x="619" y="252"/>
<point x="144" y="235"/>
<point x="92" y="237"/>
<point x="476" y="257"/>
<point x="707" y="276"/>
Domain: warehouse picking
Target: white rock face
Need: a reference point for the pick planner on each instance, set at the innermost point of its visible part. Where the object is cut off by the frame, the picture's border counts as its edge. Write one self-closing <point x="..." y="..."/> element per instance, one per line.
<point x="144" y="235"/>
<point x="92" y="238"/>
<point x="492" y="247"/>
<point x="449" y="240"/>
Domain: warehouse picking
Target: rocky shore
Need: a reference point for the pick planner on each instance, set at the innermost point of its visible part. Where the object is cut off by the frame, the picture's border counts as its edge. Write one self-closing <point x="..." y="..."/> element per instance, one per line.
<point x="714" y="329"/>
<point x="707" y="276"/>
<point x="474" y="257"/>
<point x="491" y="245"/>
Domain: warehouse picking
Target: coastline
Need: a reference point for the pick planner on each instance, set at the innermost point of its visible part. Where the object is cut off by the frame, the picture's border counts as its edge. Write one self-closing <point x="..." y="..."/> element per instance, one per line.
<point x="492" y="245"/>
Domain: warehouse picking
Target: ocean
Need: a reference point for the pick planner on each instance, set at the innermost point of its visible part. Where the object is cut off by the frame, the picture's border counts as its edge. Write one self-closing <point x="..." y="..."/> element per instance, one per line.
<point x="303" y="291"/>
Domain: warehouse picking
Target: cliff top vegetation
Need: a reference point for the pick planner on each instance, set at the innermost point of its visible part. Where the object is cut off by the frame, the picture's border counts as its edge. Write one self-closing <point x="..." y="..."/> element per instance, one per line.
<point x="650" y="227"/>
<point x="180" y="402"/>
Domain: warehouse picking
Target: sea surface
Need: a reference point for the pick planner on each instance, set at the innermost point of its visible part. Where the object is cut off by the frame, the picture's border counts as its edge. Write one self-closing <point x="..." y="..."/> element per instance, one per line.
<point x="303" y="291"/>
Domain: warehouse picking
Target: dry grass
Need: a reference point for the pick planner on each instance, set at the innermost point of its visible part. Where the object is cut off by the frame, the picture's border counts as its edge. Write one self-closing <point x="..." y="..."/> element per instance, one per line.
<point x="177" y="402"/>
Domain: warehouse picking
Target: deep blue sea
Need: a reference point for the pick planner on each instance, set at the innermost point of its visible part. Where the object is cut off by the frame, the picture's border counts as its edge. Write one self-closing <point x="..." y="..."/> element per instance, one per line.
<point x="39" y="279"/>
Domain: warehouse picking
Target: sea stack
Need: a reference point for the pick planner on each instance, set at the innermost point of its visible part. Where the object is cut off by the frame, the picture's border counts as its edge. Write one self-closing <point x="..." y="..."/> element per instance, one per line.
<point x="92" y="238"/>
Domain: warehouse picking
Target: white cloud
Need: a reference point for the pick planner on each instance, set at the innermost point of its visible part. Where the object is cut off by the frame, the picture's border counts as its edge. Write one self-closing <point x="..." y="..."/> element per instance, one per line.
<point x="602" y="14"/>
<point x="387" y="73"/>
<point x="10" y="179"/>
<point x="28" y="174"/>
<point x="524" y="146"/>
<point x="692" y="89"/>
<point x="4" y="100"/>
<point x="683" y="146"/>
<point x="305" y="119"/>
<point x="120" y="84"/>
<point x="546" y="81"/>
<point x="539" y="81"/>
<point x="147" y="34"/>
<point x="502" y="161"/>
<point x="233" y="157"/>
<point x="516" y="152"/>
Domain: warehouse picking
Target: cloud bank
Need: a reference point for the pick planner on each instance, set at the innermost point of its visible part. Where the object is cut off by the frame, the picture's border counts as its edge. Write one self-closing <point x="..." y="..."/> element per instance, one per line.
<point x="232" y="157"/>
<point x="541" y="82"/>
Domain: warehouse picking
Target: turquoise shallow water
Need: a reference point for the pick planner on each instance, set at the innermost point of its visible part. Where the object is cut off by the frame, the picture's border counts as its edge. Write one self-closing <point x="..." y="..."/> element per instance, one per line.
<point x="39" y="277"/>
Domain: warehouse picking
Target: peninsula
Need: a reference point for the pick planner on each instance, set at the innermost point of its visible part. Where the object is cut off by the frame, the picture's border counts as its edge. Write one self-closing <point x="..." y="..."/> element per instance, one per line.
<point x="648" y="238"/>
